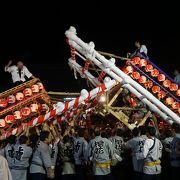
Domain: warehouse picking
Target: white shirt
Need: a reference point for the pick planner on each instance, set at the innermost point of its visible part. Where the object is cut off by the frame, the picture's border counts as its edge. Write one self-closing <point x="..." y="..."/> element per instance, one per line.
<point x="143" y="49"/>
<point x="155" y="154"/>
<point x="15" y="73"/>
<point x="4" y="169"/>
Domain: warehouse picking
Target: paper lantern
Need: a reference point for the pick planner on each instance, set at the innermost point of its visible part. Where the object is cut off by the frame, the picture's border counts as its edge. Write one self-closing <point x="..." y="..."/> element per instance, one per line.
<point x="161" y="94"/>
<point x="135" y="75"/>
<point x="125" y="71"/>
<point x="175" y="105"/>
<point x="3" y="103"/>
<point x="35" y="88"/>
<point x="44" y="107"/>
<point x="169" y="100"/>
<point x="148" y="84"/>
<point x="17" y="115"/>
<point x="25" y="111"/>
<point x="9" y="119"/>
<point x="149" y="68"/>
<point x="154" y="73"/>
<point x="19" y="96"/>
<point x="34" y="107"/>
<point x="136" y="60"/>
<point x="142" y="63"/>
<point x="132" y="102"/>
<point x="11" y="99"/>
<point x="129" y="69"/>
<point x="142" y="79"/>
<point x="2" y="123"/>
<point x="27" y="92"/>
<point x="178" y="92"/>
<point x="161" y="77"/>
<point x="156" y="89"/>
<point x="41" y="87"/>
<point x="166" y="83"/>
<point x="173" y="87"/>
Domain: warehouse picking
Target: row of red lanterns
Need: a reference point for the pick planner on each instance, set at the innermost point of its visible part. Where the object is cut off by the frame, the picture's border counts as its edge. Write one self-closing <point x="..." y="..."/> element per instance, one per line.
<point x="23" y="113"/>
<point x="19" y="96"/>
<point x="155" y="89"/>
<point x="154" y="73"/>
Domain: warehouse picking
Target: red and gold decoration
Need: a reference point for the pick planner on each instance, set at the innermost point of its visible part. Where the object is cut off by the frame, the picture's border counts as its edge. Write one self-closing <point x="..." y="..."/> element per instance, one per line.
<point x="22" y="102"/>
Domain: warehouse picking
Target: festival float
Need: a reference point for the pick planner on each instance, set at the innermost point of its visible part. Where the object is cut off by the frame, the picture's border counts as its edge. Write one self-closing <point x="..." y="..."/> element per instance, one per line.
<point x="130" y="94"/>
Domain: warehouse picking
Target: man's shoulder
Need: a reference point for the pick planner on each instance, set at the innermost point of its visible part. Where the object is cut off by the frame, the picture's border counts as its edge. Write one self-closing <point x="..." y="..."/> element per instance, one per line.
<point x="14" y="67"/>
<point x="143" y="45"/>
<point x="24" y="67"/>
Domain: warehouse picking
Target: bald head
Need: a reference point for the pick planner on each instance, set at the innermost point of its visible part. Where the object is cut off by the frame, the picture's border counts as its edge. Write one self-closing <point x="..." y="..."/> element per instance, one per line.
<point x="20" y="64"/>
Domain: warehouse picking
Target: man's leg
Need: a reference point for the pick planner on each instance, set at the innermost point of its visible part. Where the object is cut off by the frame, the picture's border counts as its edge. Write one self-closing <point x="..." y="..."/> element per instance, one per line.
<point x="38" y="176"/>
<point x="80" y="172"/>
<point x="147" y="177"/>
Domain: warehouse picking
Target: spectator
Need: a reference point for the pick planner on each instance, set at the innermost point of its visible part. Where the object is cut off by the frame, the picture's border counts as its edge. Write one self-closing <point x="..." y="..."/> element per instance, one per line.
<point x="177" y="76"/>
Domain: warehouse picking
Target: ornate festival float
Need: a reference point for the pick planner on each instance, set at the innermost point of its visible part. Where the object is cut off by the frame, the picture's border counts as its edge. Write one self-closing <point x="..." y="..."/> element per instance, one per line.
<point x="130" y="94"/>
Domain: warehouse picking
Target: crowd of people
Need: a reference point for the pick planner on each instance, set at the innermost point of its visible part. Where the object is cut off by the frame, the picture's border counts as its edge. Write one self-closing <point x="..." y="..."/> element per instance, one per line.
<point x="65" y="152"/>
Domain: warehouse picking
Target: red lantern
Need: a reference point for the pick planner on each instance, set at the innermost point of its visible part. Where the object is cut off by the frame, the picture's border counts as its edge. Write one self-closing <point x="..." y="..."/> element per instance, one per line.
<point x="173" y="87"/>
<point x="125" y="71"/>
<point x="3" y="103"/>
<point x="19" y="96"/>
<point x="9" y="119"/>
<point x="2" y="123"/>
<point x="154" y="73"/>
<point x="175" y="105"/>
<point x="161" y="94"/>
<point x="132" y="102"/>
<point x="167" y="83"/>
<point x="11" y="99"/>
<point x="142" y="63"/>
<point x="129" y="69"/>
<point x="156" y="89"/>
<point x="178" y="92"/>
<point x="17" y="115"/>
<point x="136" y="60"/>
<point x="41" y="87"/>
<point x="35" y="88"/>
<point x="142" y="79"/>
<point x="149" y="68"/>
<point x="161" y="77"/>
<point x="135" y="75"/>
<point x="27" y="92"/>
<point x="148" y="84"/>
<point x="34" y="107"/>
<point x="169" y="100"/>
<point x="25" y="111"/>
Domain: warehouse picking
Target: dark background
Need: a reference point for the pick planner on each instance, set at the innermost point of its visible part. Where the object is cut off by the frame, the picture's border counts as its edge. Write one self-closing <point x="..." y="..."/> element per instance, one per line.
<point x="35" y="35"/>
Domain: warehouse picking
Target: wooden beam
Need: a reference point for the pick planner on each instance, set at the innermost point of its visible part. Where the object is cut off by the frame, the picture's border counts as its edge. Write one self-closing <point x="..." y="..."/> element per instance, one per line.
<point x="144" y="119"/>
<point x="115" y="97"/>
<point x="113" y="55"/>
<point x="124" y="108"/>
<point x="121" y="117"/>
<point x="64" y="93"/>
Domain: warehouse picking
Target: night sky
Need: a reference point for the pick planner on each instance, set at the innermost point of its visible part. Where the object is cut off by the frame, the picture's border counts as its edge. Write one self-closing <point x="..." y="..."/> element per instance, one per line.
<point x="35" y="35"/>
